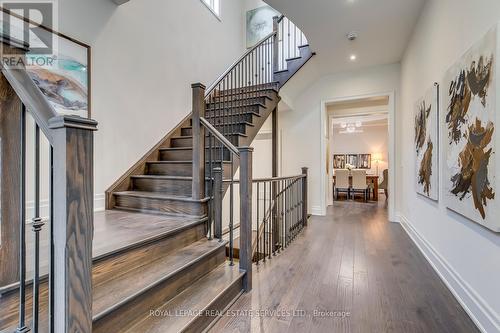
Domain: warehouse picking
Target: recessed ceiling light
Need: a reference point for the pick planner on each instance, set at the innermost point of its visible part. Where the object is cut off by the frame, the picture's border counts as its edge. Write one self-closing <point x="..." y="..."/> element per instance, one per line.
<point x="353" y="57"/>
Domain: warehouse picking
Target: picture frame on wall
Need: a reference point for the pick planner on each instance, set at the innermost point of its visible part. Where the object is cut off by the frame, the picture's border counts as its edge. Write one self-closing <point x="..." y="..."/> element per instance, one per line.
<point x="365" y="161"/>
<point x="64" y="76"/>
<point x="339" y="161"/>
<point x="470" y="106"/>
<point x="259" y="24"/>
<point x="426" y="141"/>
<point x="352" y="159"/>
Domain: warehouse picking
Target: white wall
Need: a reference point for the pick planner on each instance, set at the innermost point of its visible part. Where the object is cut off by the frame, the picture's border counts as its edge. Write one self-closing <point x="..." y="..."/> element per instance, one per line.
<point x="301" y="129"/>
<point x="466" y="254"/>
<point x="373" y="140"/>
<point x="145" y="55"/>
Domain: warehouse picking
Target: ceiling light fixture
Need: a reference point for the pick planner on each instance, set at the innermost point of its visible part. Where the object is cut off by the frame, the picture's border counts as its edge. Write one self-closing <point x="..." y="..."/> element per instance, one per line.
<point x="353" y="57"/>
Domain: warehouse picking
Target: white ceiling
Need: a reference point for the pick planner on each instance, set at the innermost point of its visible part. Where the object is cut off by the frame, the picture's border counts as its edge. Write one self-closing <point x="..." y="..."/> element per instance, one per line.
<point x="384" y="28"/>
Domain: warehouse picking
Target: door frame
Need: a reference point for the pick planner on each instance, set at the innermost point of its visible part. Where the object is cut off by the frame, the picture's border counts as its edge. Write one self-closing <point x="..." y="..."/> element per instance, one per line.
<point x="324" y="133"/>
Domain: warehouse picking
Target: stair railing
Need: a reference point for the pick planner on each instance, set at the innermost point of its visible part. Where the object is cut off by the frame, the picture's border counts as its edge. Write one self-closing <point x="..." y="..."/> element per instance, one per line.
<point x="279" y="211"/>
<point x="218" y="113"/>
<point x="70" y="221"/>
<point x="211" y="171"/>
<point x="290" y="39"/>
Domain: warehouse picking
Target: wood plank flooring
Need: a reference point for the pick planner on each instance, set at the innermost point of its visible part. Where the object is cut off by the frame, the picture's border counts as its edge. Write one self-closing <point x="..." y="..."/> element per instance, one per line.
<point x="358" y="272"/>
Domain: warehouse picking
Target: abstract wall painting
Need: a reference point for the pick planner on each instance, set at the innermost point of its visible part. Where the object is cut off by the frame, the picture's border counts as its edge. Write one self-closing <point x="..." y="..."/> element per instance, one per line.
<point x="64" y="77"/>
<point x="470" y="104"/>
<point x="426" y="144"/>
<point x="259" y="24"/>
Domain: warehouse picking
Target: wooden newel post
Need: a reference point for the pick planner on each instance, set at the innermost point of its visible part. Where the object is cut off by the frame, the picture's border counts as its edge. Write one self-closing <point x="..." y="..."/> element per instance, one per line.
<point x="218" y="196"/>
<point x="73" y="224"/>
<point x="246" y="215"/>
<point x="304" y="194"/>
<point x="198" y="184"/>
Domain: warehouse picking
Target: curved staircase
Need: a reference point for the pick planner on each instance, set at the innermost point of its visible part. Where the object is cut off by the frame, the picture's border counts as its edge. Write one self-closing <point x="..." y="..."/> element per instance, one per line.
<point x="174" y="277"/>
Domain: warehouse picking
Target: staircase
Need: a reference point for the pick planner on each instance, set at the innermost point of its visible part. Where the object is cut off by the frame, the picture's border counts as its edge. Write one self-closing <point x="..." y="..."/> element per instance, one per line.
<point x="150" y="284"/>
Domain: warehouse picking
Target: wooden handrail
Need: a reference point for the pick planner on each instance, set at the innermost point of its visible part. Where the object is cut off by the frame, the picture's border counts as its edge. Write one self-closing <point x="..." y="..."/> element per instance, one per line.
<point x="236" y="63"/>
<point x="219" y="136"/>
<point x="27" y="91"/>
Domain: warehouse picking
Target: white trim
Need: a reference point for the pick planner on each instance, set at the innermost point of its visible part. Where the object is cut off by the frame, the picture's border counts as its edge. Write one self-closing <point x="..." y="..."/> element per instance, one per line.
<point x="99" y="206"/>
<point x="391" y="149"/>
<point x="316" y="210"/>
<point x="217" y="15"/>
<point x="481" y="313"/>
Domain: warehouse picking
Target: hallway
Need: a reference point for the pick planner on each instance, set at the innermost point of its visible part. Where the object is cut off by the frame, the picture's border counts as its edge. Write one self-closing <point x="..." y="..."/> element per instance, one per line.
<point x="360" y="272"/>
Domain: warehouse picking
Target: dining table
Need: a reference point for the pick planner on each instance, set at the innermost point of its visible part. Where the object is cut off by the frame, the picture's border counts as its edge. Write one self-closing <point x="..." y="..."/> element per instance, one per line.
<point x="371" y="180"/>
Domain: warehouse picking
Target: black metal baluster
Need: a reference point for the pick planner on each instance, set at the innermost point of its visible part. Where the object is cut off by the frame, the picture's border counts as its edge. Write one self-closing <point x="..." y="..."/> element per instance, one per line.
<point x="51" y="238"/>
<point x="270" y="218"/>
<point x="37" y="227"/>
<point x="231" y="213"/>
<point x="264" y="221"/>
<point x="21" y="328"/>
<point x="211" y="182"/>
<point x="258" y="229"/>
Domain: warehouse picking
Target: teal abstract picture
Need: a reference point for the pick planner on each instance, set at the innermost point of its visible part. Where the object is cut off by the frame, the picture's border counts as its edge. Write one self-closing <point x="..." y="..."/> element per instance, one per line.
<point x="63" y="75"/>
<point x="63" y="78"/>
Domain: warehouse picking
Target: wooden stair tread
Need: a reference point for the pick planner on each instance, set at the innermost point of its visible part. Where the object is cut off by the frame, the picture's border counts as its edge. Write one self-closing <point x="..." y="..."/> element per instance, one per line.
<point x="212" y="115"/>
<point x="158" y="195"/>
<point x="109" y="295"/>
<point x="112" y="238"/>
<point x="113" y="234"/>
<point x="162" y="177"/>
<point x="180" y="162"/>
<point x="195" y="298"/>
<point x="225" y="134"/>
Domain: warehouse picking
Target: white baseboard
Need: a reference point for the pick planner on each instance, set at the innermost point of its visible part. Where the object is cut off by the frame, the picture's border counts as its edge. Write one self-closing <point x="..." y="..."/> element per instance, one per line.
<point x="483" y="315"/>
<point x="316" y="210"/>
<point x="99" y="205"/>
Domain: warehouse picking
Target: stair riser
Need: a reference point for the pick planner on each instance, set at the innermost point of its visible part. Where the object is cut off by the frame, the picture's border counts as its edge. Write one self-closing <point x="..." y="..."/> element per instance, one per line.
<point x="188" y="142"/>
<point x="231" y="128"/>
<point x="120" y="263"/>
<point x="234" y="110"/>
<point x="184" y="170"/>
<point x="186" y="155"/>
<point x="170" y="169"/>
<point x="167" y="206"/>
<point x="160" y="294"/>
<point x="202" y="322"/>
<point x="236" y="100"/>
<point x="248" y="117"/>
<point x="168" y="186"/>
<point x="304" y="52"/>
<point x="176" y="155"/>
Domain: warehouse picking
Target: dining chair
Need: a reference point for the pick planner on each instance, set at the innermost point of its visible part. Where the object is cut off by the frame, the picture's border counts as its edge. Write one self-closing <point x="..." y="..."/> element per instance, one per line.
<point x="359" y="184"/>
<point x="384" y="185"/>
<point x="342" y="182"/>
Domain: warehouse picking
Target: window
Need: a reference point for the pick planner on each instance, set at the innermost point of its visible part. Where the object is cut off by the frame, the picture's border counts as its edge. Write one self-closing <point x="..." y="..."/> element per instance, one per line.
<point x="214" y="6"/>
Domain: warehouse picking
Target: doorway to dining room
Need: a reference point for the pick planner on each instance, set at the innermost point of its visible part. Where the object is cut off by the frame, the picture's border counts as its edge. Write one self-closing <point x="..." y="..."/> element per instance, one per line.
<point x="358" y="149"/>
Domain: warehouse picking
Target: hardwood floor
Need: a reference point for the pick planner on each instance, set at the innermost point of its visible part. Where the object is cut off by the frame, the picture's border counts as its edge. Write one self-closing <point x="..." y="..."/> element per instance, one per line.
<point x="362" y="273"/>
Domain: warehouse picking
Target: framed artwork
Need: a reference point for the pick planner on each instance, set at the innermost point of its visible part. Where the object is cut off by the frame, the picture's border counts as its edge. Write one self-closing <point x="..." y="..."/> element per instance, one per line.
<point x="259" y="24"/>
<point x="63" y="76"/>
<point x="471" y="107"/>
<point x="426" y="144"/>
<point x="338" y="161"/>
<point x="365" y="161"/>
<point x="352" y="159"/>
